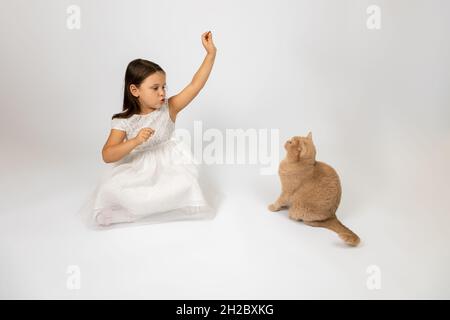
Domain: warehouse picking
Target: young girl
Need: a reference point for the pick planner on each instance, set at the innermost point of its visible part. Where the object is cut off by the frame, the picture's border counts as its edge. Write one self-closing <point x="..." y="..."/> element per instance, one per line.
<point x="153" y="178"/>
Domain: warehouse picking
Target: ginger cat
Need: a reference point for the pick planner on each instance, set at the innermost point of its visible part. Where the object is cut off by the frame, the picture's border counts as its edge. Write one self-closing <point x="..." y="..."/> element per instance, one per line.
<point x="310" y="189"/>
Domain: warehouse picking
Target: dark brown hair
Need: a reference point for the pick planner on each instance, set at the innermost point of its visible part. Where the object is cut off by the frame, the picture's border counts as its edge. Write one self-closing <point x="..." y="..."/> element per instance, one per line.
<point x="137" y="71"/>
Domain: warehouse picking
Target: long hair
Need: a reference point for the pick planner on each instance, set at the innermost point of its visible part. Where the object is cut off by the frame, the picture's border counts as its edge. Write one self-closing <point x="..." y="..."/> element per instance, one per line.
<point x="137" y="71"/>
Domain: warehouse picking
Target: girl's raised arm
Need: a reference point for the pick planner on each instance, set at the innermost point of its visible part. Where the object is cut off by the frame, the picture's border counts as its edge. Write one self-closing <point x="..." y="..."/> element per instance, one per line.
<point x="182" y="99"/>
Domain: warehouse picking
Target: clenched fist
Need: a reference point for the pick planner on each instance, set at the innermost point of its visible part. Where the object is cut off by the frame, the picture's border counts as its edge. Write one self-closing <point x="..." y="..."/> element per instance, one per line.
<point x="144" y="134"/>
<point x="208" y="42"/>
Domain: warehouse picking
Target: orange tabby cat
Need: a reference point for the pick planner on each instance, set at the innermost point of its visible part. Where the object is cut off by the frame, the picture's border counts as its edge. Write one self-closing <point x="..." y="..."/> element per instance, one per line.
<point x="310" y="189"/>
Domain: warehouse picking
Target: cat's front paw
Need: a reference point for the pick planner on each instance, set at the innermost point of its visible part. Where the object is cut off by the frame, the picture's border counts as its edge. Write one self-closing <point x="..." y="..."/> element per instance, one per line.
<point x="273" y="208"/>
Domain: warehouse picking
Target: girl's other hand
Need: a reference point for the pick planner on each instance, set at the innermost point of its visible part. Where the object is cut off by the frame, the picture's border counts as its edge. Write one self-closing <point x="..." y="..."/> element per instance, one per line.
<point x="144" y="134"/>
<point x="208" y="43"/>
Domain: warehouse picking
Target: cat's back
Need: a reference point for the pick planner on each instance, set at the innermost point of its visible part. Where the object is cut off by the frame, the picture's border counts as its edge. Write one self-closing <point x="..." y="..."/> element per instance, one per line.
<point x="325" y="173"/>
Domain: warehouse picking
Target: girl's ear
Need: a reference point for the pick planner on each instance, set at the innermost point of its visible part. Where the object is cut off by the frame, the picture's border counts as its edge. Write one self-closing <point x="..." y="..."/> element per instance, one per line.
<point x="134" y="90"/>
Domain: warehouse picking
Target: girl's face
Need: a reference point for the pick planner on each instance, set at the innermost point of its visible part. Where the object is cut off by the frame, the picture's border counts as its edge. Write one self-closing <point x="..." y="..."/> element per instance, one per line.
<point x="152" y="91"/>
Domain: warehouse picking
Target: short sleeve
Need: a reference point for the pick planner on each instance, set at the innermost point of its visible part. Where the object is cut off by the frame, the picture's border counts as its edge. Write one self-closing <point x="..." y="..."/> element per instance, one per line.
<point x="119" y="124"/>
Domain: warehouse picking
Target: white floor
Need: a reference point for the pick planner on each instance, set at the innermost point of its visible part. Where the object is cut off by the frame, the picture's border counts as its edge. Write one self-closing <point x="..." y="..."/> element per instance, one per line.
<point x="376" y="101"/>
<point x="246" y="252"/>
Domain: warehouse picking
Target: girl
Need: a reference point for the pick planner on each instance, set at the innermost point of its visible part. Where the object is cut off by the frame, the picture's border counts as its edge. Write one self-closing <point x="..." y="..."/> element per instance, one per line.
<point x="153" y="178"/>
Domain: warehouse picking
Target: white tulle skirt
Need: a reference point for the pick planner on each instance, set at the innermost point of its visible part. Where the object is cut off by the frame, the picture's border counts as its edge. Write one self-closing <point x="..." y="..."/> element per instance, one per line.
<point x="160" y="184"/>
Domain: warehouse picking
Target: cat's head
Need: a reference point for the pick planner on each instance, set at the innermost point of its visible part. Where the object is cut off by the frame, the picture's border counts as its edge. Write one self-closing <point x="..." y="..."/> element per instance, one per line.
<point x="300" y="148"/>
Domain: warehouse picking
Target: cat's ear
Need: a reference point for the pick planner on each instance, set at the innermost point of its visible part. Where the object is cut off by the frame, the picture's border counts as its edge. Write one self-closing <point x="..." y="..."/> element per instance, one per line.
<point x="309" y="135"/>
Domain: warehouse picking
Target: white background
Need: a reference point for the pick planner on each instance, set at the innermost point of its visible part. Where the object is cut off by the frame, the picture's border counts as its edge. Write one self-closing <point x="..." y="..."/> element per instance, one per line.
<point x="376" y="101"/>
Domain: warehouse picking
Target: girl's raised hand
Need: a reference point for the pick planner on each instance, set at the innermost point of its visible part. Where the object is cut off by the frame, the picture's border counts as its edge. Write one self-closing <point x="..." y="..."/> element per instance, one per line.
<point x="208" y="43"/>
<point x="144" y="134"/>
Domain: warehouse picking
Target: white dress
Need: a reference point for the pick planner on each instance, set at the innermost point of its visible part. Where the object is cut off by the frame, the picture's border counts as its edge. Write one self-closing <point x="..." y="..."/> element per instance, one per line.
<point x="156" y="182"/>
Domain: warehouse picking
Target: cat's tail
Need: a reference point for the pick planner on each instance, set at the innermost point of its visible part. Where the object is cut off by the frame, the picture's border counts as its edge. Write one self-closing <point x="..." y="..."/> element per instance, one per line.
<point x="335" y="225"/>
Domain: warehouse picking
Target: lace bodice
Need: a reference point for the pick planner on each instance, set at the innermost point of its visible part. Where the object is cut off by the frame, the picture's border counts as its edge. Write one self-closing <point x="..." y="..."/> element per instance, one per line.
<point x="159" y="120"/>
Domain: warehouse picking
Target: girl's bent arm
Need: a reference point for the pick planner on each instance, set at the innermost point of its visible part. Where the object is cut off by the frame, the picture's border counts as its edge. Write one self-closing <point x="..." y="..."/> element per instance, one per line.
<point x="113" y="153"/>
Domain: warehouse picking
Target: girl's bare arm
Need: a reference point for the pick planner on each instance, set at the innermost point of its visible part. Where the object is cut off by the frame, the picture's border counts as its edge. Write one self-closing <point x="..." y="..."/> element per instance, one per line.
<point x="115" y="149"/>
<point x="182" y="99"/>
